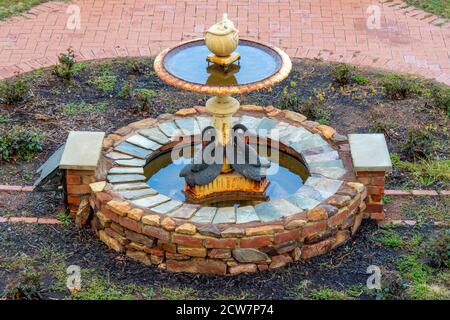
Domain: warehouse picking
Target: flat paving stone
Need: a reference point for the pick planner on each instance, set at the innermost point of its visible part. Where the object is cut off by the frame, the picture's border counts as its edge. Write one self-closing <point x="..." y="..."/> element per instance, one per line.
<point x="246" y="214"/>
<point x="302" y="202"/>
<point x="82" y="150"/>
<point x="369" y="152"/>
<point x="118" y="156"/>
<point x="126" y="170"/>
<point x="326" y="187"/>
<point x="311" y="141"/>
<point x="137" y="194"/>
<point x="170" y="129"/>
<point x="167" y="207"/>
<point x="133" y="162"/>
<point x="186" y="211"/>
<point x="330" y="172"/>
<point x="155" y="134"/>
<point x="133" y="150"/>
<point x="130" y="186"/>
<point x="317" y="150"/>
<point x="266" y="212"/>
<point x="310" y="192"/>
<point x="266" y="124"/>
<point x="327" y="164"/>
<point x="204" y="122"/>
<point x="325" y="156"/>
<point x="297" y="135"/>
<point x="188" y="126"/>
<point x="151" y="201"/>
<point x="204" y="215"/>
<point x="143" y="142"/>
<point x="225" y="215"/>
<point x="121" y="178"/>
<point x="284" y="207"/>
<point x="250" y="122"/>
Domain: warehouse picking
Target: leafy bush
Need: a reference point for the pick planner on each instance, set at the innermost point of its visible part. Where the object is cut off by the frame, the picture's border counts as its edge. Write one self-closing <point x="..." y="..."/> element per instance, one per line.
<point x="441" y="98"/>
<point x="20" y="143"/>
<point x="104" y="82"/>
<point x="14" y="90"/>
<point x="440" y="250"/>
<point x="73" y="108"/>
<point x="142" y="99"/>
<point x="26" y="286"/>
<point x="315" y="110"/>
<point x="65" y="68"/>
<point x="289" y="99"/>
<point x="419" y="144"/>
<point x="342" y="73"/>
<point x="359" y="79"/>
<point x="428" y="172"/>
<point x="399" y="86"/>
<point x="126" y="90"/>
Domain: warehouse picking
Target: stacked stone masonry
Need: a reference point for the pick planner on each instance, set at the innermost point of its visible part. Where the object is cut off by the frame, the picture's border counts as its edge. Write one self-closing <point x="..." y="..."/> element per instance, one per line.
<point x="132" y="218"/>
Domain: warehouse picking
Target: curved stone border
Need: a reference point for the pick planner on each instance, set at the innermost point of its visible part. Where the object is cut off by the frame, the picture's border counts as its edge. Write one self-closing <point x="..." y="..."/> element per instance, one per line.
<point x="167" y="77"/>
<point x="154" y="229"/>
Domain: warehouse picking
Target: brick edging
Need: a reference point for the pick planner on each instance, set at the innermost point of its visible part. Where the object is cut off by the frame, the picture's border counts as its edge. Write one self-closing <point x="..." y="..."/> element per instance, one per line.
<point x="417" y="192"/>
<point x="29" y="220"/>
<point x="7" y="187"/>
<point x="417" y="13"/>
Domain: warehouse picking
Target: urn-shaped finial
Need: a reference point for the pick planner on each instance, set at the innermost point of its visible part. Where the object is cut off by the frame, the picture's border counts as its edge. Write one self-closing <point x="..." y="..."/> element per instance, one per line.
<point x="222" y="38"/>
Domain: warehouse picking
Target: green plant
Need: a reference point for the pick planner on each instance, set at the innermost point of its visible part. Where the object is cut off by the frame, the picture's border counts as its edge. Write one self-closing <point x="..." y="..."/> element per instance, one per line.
<point x="13" y="7"/>
<point x="104" y="82"/>
<point x="399" y="86"/>
<point x="177" y="294"/>
<point x="315" y="111"/>
<point x="381" y="126"/>
<point x="437" y="7"/>
<point x="20" y="143"/>
<point x="5" y="118"/>
<point x="342" y="73"/>
<point x="14" y="90"/>
<point x="441" y="98"/>
<point x="126" y="90"/>
<point x="143" y="98"/>
<point x="360" y="79"/>
<point x="328" y="294"/>
<point x="26" y="286"/>
<point x="289" y="99"/>
<point x="439" y="251"/>
<point x="65" y="68"/>
<point x="419" y="144"/>
<point x="391" y="239"/>
<point x="64" y="218"/>
<point x="74" y="108"/>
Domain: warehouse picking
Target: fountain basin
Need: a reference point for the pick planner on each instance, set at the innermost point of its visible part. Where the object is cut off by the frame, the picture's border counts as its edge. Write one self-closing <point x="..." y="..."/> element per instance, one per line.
<point x="133" y="217"/>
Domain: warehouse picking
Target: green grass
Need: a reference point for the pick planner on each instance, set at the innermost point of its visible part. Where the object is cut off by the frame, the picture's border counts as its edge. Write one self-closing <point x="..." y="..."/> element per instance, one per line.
<point x="104" y="82"/>
<point x="177" y="294"/>
<point x="391" y="239"/>
<point x="428" y="208"/>
<point x="438" y="7"/>
<point x="64" y="217"/>
<point x="10" y="8"/>
<point x="74" y="108"/>
<point x="328" y="294"/>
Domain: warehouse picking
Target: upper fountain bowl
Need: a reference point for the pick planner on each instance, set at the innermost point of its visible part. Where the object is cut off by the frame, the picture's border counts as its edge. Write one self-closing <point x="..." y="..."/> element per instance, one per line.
<point x="184" y="66"/>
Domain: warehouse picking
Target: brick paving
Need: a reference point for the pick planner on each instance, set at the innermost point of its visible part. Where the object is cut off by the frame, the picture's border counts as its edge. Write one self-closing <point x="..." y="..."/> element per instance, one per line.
<point x="408" y="40"/>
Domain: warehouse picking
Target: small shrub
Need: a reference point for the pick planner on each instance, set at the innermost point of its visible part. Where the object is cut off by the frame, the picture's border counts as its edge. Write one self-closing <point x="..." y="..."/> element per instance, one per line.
<point x="382" y="126"/>
<point x="20" y="143"/>
<point x="143" y="98"/>
<point x="399" y="86"/>
<point x="26" y="286"/>
<point x="439" y="252"/>
<point x="315" y="111"/>
<point x="14" y="90"/>
<point x="75" y="108"/>
<point x="126" y="90"/>
<point x="104" y="82"/>
<point x="359" y="79"/>
<point x="65" y="68"/>
<point x="289" y="100"/>
<point x="342" y="73"/>
<point x="419" y="144"/>
<point x="441" y="98"/>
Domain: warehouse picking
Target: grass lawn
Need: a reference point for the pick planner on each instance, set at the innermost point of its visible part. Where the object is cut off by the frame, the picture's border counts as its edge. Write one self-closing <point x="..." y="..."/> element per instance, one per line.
<point x="438" y="7"/>
<point x="10" y="8"/>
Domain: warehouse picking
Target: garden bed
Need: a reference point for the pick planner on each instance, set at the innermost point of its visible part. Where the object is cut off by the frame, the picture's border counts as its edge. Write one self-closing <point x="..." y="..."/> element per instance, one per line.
<point x="108" y="94"/>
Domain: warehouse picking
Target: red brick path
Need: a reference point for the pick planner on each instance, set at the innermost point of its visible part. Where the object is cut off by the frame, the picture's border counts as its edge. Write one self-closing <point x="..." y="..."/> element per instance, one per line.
<point x="331" y="29"/>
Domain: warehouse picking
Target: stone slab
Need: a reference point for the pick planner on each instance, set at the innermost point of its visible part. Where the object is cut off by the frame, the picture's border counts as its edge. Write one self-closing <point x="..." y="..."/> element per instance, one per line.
<point x="184" y="212"/>
<point x="129" y="186"/>
<point x="266" y="212"/>
<point x="155" y="134"/>
<point x="137" y="194"/>
<point x="246" y="214"/>
<point x="204" y="215"/>
<point x="152" y="201"/>
<point x="118" y="156"/>
<point x="167" y="207"/>
<point x="225" y="215"/>
<point x="170" y="129"/>
<point x="302" y="202"/>
<point x="204" y="122"/>
<point x="122" y="178"/>
<point x="126" y="170"/>
<point x="133" y="162"/>
<point x="188" y="126"/>
<point x="326" y="187"/>
<point x="82" y="150"/>
<point x="143" y="142"/>
<point x="369" y="152"/>
<point x="133" y="150"/>
<point x="284" y="207"/>
<point x="310" y="192"/>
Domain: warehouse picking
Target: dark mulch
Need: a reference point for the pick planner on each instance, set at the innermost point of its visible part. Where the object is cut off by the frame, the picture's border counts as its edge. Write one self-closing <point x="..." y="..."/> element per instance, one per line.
<point x="339" y="270"/>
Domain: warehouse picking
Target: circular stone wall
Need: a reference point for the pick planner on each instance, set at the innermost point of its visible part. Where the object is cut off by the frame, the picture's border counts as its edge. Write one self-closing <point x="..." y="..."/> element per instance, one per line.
<point x="133" y="218"/>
